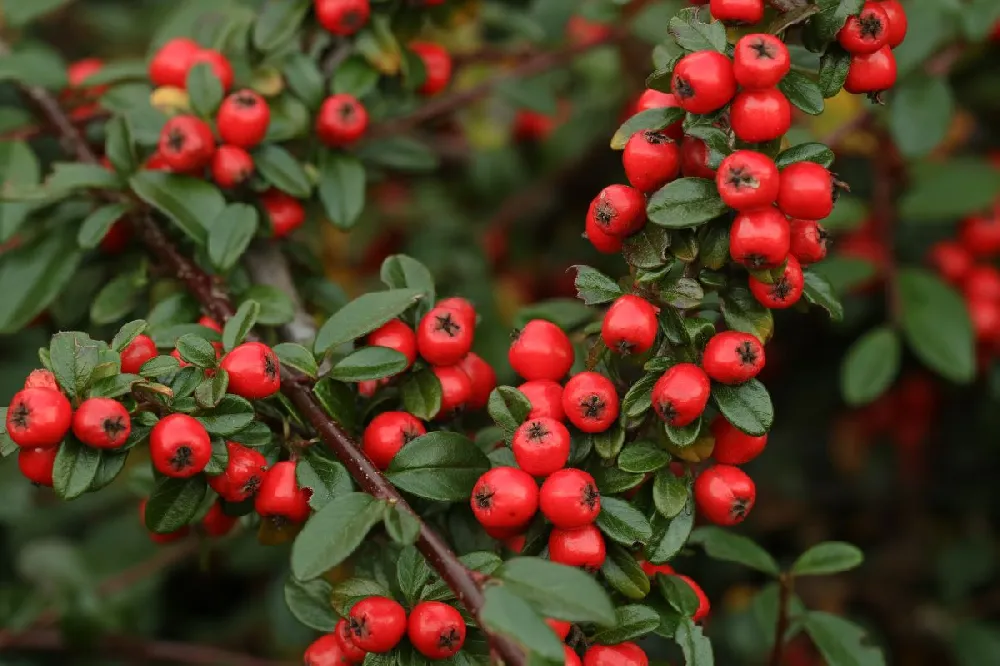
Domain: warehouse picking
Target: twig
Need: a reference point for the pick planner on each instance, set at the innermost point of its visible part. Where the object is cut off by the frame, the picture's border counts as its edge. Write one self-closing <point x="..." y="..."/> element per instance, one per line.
<point x="886" y="163"/>
<point x="34" y="131"/>
<point x="786" y="583"/>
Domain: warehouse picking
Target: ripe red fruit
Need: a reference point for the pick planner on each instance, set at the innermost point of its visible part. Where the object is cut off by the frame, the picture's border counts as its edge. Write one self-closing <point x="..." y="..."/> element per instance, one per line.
<point x="872" y="73"/>
<point x="747" y="179"/>
<point x="504" y="497"/>
<point x="533" y="126"/>
<point x="219" y="65"/>
<point x="77" y="73"/>
<point x="590" y="402"/>
<point x="283" y="210"/>
<point x="569" y="498"/>
<point x="630" y="325"/>
<point x="571" y="658"/>
<point x="231" y="166"/>
<point x="280" y="497"/>
<point x="254" y="371"/>
<point x="808" y="241"/>
<point x="481" y="376"/>
<point x="36" y="463"/>
<point x="897" y="22"/>
<point x="985" y="316"/>
<point x="724" y="494"/>
<point x="461" y="307"/>
<point x="210" y="324"/>
<point x="624" y="654"/>
<point x="737" y="11"/>
<point x="733" y="446"/>
<point x="41" y="378"/>
<point x="654" y="99"/>
<point x="395" y="335"/>
<point x="456" y="389"/>
<point x="135" y="355"/>
<point x="342" y="17"/>
<point x="951" y="260"/>
<point x="243" y="118"/>
<point x="179" y="446"/>
<point x="759" y="238"/>
<point x="186" y="144"/>
<point x="387" y="434"/>
<point x="117" y="238"/>
<point x="352" y="652"/>
<point x="980" y="235"/>
<point x="325" y="651"/>
<point x="102" y="423"/>
<point x="619" y="210"/>
<point x="651" y="569"/>
<point x="760" y="61"/>
<point x="157" y="537"/>
<point x="694" y="159"/>
<point x="732" y="357"/>
<point x="680" y="395"/>
<point x="651" y="160"/>
<point x="603" y="242"/>
<point x="170" y="65"/>
<point x="38" y="417"/>
<point x="580" y="547"/>
<point x="341" y="120"/>
<point x="444" y="337"/>
<point x="785" y="291"/>
<point x="806" y="191"/>
<point x="377" y="624"/>
<point x="703" y="605"/>
<point x="703" y="81"/>
<point x="541" y="350"/>
<point x="982" y="283"/>
<point x="545" y="397"/>
<point x="865" y="32"/>
<point x="437" y="64"/>
<point x="582" y="31"/>
<point x="216" y="523"/>
<point x="541" y="446"/>
<point x="757" y="116"/>
<point x="436" y="630"/>
<point x="243" y="475"/>
<point x="560" y="627"/>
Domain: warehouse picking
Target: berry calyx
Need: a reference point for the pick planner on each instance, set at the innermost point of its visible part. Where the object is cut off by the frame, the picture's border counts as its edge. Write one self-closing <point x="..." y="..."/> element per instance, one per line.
<point x="580" y="547"/>
<point x="866" y="32"/>
<point x="481" y="376"/>
<point x="747" y="179"/>
<point x="341" y="120"/>
<point x="243" y="475"/>
<point x="545" y="397"/>
<point x="254" y="371"/>
<point x="602" y="241"/>
<point x="541" y="350"/>
<point x="703" y="82"/>
<point x="243" y="119"/>
<point x="679" y="397"/>
<point x="38" y="417"/>
<point x="504" y="497"/>
<point x="733" y="446"/>
<point x="760" y="61"/>
<point x="807" y="191"/>
<point x="724" y="494"/>
<point x="284" y="211"/>
<point x="456" y="389"/>
<point x="748" y="12"/>
<point x="377" y="624"/>
<point x="758" y="116"/>
<point x="618" y="210"/>
<point x="186" y="144"/>
<point x="651" y="160"/>
<point x="437" y="65"/>
<point x="569" y="498"/>
<point x="541" y="446"/>
<point x="808" y="241"/>
<point x="102" y="423"/>
<point x="36" y="463"/>
<point x="179" y="446"/>
<point x="630" y="325"/>
<point x="444" y="337"/>
<point x="136" y="353"/>
<point x="785" y="291"/>
<point x="436" y="630"/>
<point x="280" y="498"/>
<point x="759" y="238"/>
<point x="460" y="306"/>
<point x="231" y="166"/>
<point x="732" y="357"/>
<point x="397" y="336"/>
<point x="342" y="17"/>
<point x="387" y="434"/>
<point x="590" y="402"/>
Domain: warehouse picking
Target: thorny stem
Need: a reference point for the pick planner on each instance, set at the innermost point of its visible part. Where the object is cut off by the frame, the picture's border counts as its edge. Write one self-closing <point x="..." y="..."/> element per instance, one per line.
<point x="787" y="584"/>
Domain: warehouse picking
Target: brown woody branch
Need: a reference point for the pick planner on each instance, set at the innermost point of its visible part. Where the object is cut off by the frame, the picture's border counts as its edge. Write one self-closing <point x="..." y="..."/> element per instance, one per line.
<point x="785" y="590"/>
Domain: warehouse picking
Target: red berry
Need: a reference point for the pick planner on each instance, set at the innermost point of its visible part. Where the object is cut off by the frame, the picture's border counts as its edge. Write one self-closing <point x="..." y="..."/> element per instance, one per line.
<point x="231" y="166"/>
<point x="179" y="446"/>
<point x="437" y="64"/>
<point x="504" y="497"/>
<point x="388" y="433"/>
<point x="541" y="350"/>
<point x="377" y="624"/>
<point x="81" y="70"/>
<point x="694" y="159"/>
<point x="482" y="377"/>
<point x="747" y="180"/>
<point x="156" y="537"/>
<point x="117" y="238"/>
<point x="38" y="417"/>
<point x="216" y="523"/>
<point x="135" y="355"/>
<point x="985" y="316"/>
<point x="865" y="32"/>
<point x="461" y="307"/>
<point x="603" y="242"/>
<point x="283" y="210"/>
<point x="760" y="61"/>
<point x="806" y="191"/>
<point x="170" y="65"/>
<point x="581" y="31"/>
<point x="630" y="325"/>
<point x="724" y="494"/>
<point x="872" y="73"/>
<point x="341" y="120"/>
<point x="759" y="238"/>
<point x="254" y="371"/>
<point x="590" y="402"/>
<point x="951" y="260"/>
<point x="651" y="160"/>
<point x="219" y="65"/>
<point x="703" y="82"/>
<point x="571" y="657"/>
<point x="243" y="475"/>
<point x="703" y="605"/>
<point x="444" y="337"/>
<point x="732" y="446"/>
<point x="747" y="12"/>
<point x="654" y="99"/>
<point x="186" y="144"/>
<point x="210" y="324"/>
<point x="398" y="336"/>
<point x="623" y="654"/>
<point x="243" y="118"/>
<point x="732" y="357"/>
<point x="102" y="423"/>
<point x="808" y="241"/>
<point x="352" y="652"/>
<point x="757" y="116"/>
<point x="980" y="235"/>
<point x="569" y="498"/>
<point x="436" y="630"/>
<point x="783" y="292"/>
<point x="651" y="569"/>
<point x="155" y="162"/>
<point x="680" y="395"/>
<point x="560" y="627"/>
<point x="325" y="651"/>
<point x="545" y="397"/>
<point x="579" y="547"/>
<point x="897" y="22"/>
<point x="36" y="463"/>
<point x="342" y="17"/>
<point x="619" y="210"/>
<point x="541" y="446"/>
<point x="41" y="379"/>
<point x="280" y="497"/>
<point x="456" y="389"/>
<point x="533" y="126"/>
<point x="982" y="283"/>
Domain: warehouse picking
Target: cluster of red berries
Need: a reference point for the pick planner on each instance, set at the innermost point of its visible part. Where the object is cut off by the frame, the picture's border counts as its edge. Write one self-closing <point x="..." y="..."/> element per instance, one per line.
<point x="870" y="37"/>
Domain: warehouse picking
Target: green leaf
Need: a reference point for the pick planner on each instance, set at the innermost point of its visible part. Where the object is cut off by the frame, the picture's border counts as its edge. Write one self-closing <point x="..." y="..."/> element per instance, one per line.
<point x="355" y="77"/>
<point x="68" y="176"/>
<point x="508" y="408"/>
<point x="841" y="643"/>
<point x="310" y="603"/>
<point x="686" y="202"/>
<point x="278" y="167"/>
<point x="557" y="591"/>
<point x="95" y="226"/>
<point x="594" y="287"/>
<point x="115" y="299"/>
<point x="642" y="457"/>
<point x="979" y="18"/>
<point x="948" y="189"/>
<point x="412" y="573"/>
<point x="278" y="22"/>
<point x="421" y="392"/>
<point x="127" y="333"/>
<point x="362" y="316"/>
<point x="669" y="536"/>
<point x="623" y="523"/>
<point x="326" y="478"/>
<point x="870" y="366"/>
<point x="819" y="291"/>
<point x="609" y="442"/>
<point x="623" y="573"/>
<point x="333" y="533"/>
<point x="697" y="649"/>
<point x="197" y="351"/>
<point x="73" y="357"/>
<point x="670" y="493"/>
<point x="159" y="365"/>
<point x="33" y="275"/>
<point x="483" y="562"/>
<point x="191" y="203"/>
<point x="832" y="17"/>
<point x="21" y="171"/>
<point x="401" y="525"/>
<point x="74" y="469"/>
<point x="747" y="406"/>
<point x="936" y="325"/>
<point x="347" y="593"/>
<point x="442" y="466"/>
<point x="401" y="153"/>
<point x="304" y="79"/>
<point x="833" y="68"/>
<point x="566" y="313"/>
<point x="828" y="558"/>
<point x="805" y="152"/>
<point x="232" y="414"/>
<point x="720" y="544"/>
<point x="639" y="398"/>
<point x="369" y="363"/>
<point x="204" y="90"/>
<point x="339" y="402"/>
<point x="240" y="324"/>
<point x="678" y="594"/>
<point x="113" y="386"/>
<point x="174" y="503"/>
<point x="648" y="247"/>
<point x="276" y="307"/>
<point x="119" y="147"/>
<point x="715" y="139"/>
<point x="297" y="357"/>
<point x="795" y="16"/>
<point x="693" y="35"/>
<point x="400" y="271"/>
<point x="631" y="622"/>
<point x="802" y="92"/>
<point x="507" y="614"/>
<point x="920" y="114"/>
<point x="18" y="14"/>
<point x="211" y="390"/>
<point x="34" y="65"/>
<point x="650" y="119"/>
<point x="230" y="235"/>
